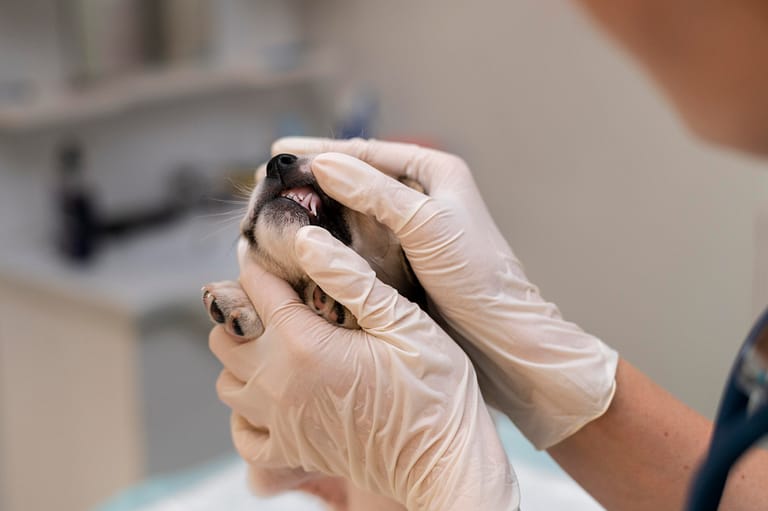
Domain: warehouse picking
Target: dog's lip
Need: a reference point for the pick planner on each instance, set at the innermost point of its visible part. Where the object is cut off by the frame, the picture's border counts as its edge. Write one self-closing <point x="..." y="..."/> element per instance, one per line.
<point x="306" y="197"/>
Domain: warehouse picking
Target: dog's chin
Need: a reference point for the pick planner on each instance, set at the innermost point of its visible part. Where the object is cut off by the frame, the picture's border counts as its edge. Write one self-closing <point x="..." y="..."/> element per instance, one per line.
<point x="281" y="214"/>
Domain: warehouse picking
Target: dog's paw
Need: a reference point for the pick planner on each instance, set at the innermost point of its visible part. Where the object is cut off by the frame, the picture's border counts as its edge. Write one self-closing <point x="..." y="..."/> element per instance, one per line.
<point x="228" y="305"/>
<point x="328" y="308"/>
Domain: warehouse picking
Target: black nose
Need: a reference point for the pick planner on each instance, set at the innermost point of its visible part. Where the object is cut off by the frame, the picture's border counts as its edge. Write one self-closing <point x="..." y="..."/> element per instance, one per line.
<point x="279" y="164"/>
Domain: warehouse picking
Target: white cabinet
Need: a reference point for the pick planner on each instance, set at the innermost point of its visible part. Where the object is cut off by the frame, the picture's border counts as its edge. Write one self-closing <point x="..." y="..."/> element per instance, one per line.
<point x="71" y="430"/>
<point x="105" y="375"/>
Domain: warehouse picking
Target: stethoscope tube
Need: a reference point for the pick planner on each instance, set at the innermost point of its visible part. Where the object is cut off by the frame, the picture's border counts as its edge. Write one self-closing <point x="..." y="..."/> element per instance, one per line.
<point x="734" y="433"/>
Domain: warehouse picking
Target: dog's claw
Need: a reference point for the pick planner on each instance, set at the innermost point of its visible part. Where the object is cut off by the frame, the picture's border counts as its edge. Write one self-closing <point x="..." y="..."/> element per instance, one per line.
<point x="216" y="313"/>
<point x="236" y="327"/>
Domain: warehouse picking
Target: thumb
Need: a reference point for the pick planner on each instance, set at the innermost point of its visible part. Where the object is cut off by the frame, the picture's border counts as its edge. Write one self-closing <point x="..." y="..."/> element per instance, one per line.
<point x="363" y="188"/>
<point x="348" y="278"/>
<point x="267" y="293"/>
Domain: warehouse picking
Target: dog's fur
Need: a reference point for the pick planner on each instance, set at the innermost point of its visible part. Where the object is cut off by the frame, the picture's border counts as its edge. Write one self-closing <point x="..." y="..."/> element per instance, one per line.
<point x="285" y="199"/>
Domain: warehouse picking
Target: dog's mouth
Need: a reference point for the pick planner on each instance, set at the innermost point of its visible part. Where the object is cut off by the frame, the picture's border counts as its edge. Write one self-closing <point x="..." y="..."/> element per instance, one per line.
<point x="308" y="198"/>
<point x="298" y="201"/>
<point x="289" y="196"/>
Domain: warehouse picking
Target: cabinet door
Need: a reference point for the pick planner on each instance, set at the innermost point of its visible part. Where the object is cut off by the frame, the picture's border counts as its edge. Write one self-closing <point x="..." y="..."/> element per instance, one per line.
<point x="70" y="430"/>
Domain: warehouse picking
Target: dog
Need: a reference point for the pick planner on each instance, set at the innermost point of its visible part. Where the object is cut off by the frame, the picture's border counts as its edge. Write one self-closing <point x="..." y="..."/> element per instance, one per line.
<point x="287" y="197"/>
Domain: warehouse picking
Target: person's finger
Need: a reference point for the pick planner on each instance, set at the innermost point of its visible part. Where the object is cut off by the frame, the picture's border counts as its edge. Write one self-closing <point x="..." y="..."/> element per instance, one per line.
<point x="389" y="157"/>
<point x="347" y="277"/>
<point x="297" y="329"/>
<point x="236" y="393"/>
<point x="269" y="294"/>
<point x="250" y="435"/>
<point x="260" y="173"/>
<point x="238" y="357"/>
<point x="334" y="491"/>
<point x="361" y="187"/>
<point x="251" y="442"/>
<point x="430" y="167"/>
<point x="228" y="387"/>
<point x="269" y="481"/>
<point x="220" y="343"/>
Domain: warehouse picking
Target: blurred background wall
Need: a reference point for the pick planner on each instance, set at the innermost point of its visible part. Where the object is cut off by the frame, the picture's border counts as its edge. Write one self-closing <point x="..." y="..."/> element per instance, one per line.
<point x="640" y="234"/>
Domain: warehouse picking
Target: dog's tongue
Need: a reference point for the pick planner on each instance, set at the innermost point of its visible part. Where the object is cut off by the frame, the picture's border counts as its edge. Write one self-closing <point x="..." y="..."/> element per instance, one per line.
<point x="306" y="197"/>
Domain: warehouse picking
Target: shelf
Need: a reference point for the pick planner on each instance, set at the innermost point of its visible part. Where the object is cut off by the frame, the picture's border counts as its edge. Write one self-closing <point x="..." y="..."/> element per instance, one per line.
<point x="120" y="279"/>
<point x="143" y="90"/>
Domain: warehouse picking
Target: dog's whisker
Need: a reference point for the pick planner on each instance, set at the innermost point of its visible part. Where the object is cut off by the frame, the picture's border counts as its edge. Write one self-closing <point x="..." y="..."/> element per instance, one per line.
<point x="230" y="213"/>
<point x="244" y="195"/>
<point x="217" y="231"/>
<point x="241" y="189"/>
<point x="227" y="221"/>
<point x="237" y="202"/>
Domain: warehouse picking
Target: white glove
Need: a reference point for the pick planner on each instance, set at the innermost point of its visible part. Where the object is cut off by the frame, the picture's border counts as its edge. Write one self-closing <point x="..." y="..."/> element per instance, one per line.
<point x="395" y="407"/>
<point x="546" y="374"/>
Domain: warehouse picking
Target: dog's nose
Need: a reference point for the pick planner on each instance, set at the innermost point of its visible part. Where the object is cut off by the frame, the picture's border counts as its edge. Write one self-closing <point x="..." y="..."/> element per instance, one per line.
<point x="280" y="164"/>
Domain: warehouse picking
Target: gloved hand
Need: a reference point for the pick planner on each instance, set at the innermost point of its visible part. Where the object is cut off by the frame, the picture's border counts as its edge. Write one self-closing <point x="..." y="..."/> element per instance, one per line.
<point x="394" y="407"/>
<point x="546" y="374"/>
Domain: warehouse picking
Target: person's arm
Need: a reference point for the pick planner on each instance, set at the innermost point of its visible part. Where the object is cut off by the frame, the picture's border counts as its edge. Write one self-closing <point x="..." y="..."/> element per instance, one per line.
<point x="642" y="453"/>
<point x="708" y="56"/>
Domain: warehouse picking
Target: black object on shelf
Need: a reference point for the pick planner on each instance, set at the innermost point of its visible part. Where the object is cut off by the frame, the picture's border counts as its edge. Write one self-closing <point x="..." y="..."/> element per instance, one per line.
<point x="185" y="192"/>
<point x="82" y="228"/>
<point x="78" y="226"/>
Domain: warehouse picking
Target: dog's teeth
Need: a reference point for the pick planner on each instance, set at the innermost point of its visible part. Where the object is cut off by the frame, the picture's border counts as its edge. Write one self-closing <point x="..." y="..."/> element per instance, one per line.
<point x="305" y="198"/>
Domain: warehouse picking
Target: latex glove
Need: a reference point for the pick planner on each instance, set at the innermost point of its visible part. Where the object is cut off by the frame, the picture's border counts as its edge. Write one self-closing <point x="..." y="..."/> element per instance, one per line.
<point x="546" y="374"/>
<point x="394" y="407"/>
